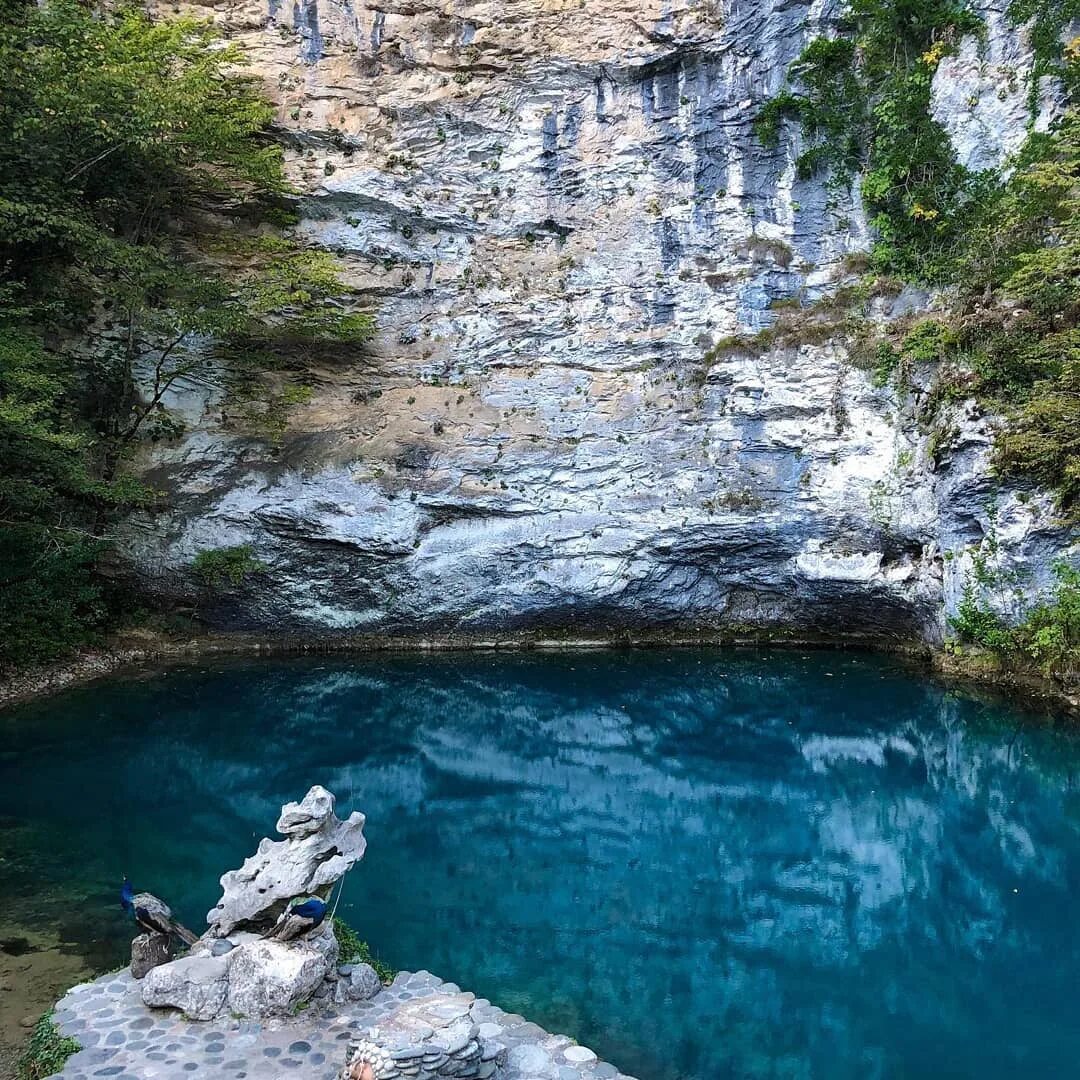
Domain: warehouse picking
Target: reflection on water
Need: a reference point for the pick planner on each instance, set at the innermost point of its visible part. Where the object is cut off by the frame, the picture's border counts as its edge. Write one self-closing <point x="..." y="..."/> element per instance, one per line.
<point x="703" y="864"/>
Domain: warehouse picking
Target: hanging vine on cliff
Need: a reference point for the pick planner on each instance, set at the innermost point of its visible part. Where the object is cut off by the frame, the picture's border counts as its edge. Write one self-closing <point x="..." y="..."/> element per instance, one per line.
<point x="863" y="100"/>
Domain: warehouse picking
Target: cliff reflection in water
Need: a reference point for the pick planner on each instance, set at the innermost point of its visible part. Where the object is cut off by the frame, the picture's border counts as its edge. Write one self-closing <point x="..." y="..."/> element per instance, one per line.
<point x="703" y="864"/>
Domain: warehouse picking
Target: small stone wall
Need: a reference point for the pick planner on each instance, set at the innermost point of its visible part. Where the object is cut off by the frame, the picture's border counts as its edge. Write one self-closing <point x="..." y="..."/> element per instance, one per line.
<point x="124" y="1039"/>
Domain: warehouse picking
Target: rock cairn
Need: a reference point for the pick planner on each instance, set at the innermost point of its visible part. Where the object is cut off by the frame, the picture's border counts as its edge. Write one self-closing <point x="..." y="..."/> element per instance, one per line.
<point x="424" y="1041"/>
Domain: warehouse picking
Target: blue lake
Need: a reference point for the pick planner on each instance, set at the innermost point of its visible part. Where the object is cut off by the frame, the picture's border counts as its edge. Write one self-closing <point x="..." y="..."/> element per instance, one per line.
<point x="703" y="864"/>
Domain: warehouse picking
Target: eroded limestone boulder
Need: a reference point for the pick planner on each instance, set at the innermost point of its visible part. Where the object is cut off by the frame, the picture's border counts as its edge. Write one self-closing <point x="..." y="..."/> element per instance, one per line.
<point x="253" y="977"/>
<point x="317" y="850"/>
<point x="307" y="817"/>
<point x="233" y="967"/>
<point x="432" y="1038"/>
<point x="149" y="951"/>
<point x="270" y="978"/>
<point x="196" y="985"/>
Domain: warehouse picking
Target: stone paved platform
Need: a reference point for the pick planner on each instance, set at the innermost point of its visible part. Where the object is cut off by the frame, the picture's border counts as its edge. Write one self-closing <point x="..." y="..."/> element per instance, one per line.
<point x="125" y="1040"/>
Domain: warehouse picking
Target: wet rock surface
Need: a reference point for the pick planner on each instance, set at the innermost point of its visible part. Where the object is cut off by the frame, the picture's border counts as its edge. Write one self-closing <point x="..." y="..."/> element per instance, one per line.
<point x="122" y="1037"/>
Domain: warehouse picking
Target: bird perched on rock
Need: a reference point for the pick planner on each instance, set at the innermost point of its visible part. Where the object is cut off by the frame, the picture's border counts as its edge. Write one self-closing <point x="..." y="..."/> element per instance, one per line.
<point x="299" y="917"/>
<point x="151" y="914"/>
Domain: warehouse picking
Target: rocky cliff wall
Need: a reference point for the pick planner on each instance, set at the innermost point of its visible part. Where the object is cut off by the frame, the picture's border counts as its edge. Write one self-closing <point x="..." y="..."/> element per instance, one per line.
<point x="559" y="209"/>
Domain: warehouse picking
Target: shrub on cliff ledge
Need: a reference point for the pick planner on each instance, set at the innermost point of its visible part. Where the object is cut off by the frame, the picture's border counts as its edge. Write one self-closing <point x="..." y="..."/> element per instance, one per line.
<point x="863" y="100"/>
<point x="353" y="950"/>
<point x="1048" y="635"/>
<point x="221" y="567"/>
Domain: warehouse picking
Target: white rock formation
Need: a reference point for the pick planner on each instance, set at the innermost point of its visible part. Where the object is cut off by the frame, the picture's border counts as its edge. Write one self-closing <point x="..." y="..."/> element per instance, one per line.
<point x="982" y="95"/>
<point x="558" y="209"/>
<point x="255" y="979"/>
<point x="317" y="850"/>
<point x="236" y="970"/>
<point x="197" y="985"/>
<point x="269" y="978"/>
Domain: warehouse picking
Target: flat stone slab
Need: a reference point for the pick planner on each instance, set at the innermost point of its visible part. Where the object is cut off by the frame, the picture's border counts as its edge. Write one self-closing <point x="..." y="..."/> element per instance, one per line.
<point x="124" y="1039"/>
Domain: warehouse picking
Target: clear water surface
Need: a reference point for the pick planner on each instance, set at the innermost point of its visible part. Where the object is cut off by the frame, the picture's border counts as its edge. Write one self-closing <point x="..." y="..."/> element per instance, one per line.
<point x="702" y="864"/>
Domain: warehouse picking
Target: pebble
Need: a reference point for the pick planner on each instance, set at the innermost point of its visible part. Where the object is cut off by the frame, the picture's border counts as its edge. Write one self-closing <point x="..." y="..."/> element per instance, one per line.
<point x="579" y="1055"/>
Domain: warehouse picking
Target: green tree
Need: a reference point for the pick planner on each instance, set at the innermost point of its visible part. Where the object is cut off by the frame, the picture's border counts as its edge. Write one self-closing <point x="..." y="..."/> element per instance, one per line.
<point x="863" y="100"/>
<point x="129" y="151"/>
<point x="1019" y="308"/>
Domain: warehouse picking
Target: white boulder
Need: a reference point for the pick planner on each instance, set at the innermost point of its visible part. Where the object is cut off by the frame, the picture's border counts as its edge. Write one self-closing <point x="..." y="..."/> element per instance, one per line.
<point x="271" y="978"/>
<point x="196" y="985"/>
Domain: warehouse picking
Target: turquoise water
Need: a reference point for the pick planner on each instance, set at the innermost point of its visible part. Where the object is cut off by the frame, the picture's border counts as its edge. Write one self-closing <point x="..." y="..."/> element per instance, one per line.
<point x="702" y="864"/>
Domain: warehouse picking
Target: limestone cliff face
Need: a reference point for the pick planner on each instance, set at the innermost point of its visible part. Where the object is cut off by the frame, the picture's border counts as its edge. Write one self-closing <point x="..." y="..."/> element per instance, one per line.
<point x="558" y="209"/>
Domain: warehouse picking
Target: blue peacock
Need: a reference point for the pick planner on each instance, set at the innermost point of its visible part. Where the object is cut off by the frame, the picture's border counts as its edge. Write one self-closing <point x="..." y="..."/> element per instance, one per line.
<point x="152" y="914"/>
<point x="301" y="916"/>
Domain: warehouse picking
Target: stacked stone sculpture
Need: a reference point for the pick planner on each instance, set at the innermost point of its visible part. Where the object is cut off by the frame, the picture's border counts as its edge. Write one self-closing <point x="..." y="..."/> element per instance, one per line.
<point x="434" y="1038"/>
<point x="232" y="968"/>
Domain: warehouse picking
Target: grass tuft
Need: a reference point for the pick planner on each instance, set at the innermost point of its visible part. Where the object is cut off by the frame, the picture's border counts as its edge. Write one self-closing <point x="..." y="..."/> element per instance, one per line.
<point x="353" y="950"/>
<point x="47" y="1052"/>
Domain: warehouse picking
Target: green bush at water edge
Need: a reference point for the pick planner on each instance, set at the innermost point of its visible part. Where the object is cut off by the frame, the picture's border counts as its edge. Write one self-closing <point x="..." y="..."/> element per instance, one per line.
<point x="355" y="951"/>
<point x="1048" y="635"/>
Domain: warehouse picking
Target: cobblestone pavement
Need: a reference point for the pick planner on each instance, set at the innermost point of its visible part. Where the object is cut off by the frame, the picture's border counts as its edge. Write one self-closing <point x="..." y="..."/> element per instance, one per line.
<point x="124" y="1039"/>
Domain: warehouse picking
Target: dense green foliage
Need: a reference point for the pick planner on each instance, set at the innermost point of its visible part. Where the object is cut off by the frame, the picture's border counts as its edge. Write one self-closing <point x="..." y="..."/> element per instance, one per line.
<point x="49" y="599"/>
<point x="46" y="1052"/>
<point x="863" y="101"/>
<point x="128" y="148"/>
<point x="1018" y="326"/>
<point x="1049" y="633"/>
<point x="1012" y="335"/>
<point x="1011" y="250"/>
<point x="831" y="106"/>
<point x="221" y="567"/>
<point x="352" y="950"/>
<point x="1007" y="251"/>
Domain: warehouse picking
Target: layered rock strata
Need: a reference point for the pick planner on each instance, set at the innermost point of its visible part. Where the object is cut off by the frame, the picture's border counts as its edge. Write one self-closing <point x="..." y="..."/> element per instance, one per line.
<point x="560" y="211"/>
